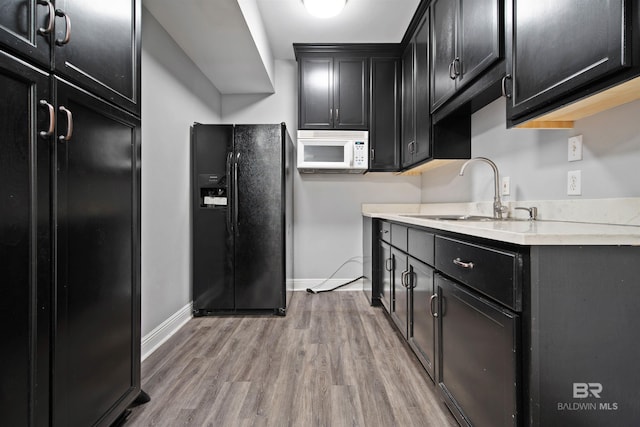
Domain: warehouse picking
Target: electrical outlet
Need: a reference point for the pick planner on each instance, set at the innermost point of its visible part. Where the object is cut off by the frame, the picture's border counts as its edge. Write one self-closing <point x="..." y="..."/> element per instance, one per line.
<point x="575" y="148"/>
<point x="574" y="183"/>
<point x="506" y="185"/>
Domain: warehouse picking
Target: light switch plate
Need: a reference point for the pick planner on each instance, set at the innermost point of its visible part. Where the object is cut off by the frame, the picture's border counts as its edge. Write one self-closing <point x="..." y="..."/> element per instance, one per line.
<point x="574" y="183"/>
<point x="575" y="148"/>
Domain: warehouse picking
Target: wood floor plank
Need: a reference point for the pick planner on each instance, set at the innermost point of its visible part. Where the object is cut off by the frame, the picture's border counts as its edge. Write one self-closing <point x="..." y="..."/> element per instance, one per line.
<point x="332" y="361"/>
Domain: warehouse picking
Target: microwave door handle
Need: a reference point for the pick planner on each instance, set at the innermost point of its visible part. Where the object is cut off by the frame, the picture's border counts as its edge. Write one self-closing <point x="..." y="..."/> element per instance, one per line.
<point x="350" y="155"/>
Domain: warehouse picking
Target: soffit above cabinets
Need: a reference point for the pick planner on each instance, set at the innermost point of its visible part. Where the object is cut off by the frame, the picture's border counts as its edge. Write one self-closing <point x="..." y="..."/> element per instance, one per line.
<point x="235" y="42"/>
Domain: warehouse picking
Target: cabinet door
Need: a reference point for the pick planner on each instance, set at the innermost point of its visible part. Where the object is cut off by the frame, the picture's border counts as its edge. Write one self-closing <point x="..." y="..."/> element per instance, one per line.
<point x="24" y="244"/>
<point x="479" y="37"/>
<point x="102" y="53"/>
<point x="422" y="332"/>
<point x="400" y="311"/>
<point x="316" y="93"/>
<point x="97" y="341"/>
<point x="385" y="274"/>
<point x="25" y="28"/>
<point x="408" y="134"/>
<point x="384" y="130"/>
<point x="422" y="111"/>
<point x="351" y="88"/>
<point x="477" y="359"/>
<point x="583" y="41"/>
<point x="444" y="28"/>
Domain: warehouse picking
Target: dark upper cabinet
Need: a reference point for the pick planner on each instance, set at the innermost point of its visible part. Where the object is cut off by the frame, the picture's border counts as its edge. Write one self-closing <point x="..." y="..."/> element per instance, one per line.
<point x="25" y="243"/>
<point x="26" y="27"/>
<point x="316" y="93"/>
<point x="102" y="52"/>
<point x="384" y="128"/>
<point x="408" y="135"/>
<point x="416" y="118"/>
<point x="560" y="48"/>
<point x="351" y="93"/>
<point x="97" y="341"/>
<point x="466" y="39"/>
<point x="334" y="92"/>
<point x="94" y="44"/>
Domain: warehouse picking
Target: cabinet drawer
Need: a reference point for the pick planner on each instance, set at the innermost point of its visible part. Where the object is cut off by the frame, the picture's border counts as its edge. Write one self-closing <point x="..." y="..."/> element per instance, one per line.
<point x="493" y="272"/>
<point x="399" y="236"/>
<point x="421" y="246"/>
<point x="384" y="231"/>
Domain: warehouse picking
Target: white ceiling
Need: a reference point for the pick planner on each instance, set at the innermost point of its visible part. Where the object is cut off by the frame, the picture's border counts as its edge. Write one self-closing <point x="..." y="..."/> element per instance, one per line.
<point x="361" y="21"/>
<point x="234" y="42"/>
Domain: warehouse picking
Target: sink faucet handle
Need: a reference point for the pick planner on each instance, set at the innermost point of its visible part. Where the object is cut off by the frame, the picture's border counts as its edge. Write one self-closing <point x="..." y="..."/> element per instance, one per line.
<point x="533" y="211"/>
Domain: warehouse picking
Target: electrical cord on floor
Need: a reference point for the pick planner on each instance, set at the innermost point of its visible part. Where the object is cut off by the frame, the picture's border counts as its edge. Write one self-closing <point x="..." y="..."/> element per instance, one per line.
<point x="352" y="259"/>
<point x="311" y="291"/>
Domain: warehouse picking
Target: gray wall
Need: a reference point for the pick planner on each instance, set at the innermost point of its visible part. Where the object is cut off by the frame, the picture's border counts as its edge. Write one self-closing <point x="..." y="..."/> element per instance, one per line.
<point x="174" y="95"/>
<point x="536" y="160"/>
<point x="327" y="220"/>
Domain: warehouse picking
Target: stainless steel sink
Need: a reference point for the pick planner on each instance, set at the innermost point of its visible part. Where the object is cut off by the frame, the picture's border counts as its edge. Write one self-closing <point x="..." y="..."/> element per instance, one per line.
<point x="460" y="217"/>
<point x="452" y="217"/>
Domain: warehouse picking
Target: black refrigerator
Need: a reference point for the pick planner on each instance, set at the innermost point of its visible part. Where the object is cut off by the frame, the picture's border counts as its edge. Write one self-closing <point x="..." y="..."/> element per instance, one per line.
<point x="242" y="218"/>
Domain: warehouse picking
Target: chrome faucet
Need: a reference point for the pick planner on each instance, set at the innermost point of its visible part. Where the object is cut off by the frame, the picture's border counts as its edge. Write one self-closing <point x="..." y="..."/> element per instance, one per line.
<point x="498" y="208"/>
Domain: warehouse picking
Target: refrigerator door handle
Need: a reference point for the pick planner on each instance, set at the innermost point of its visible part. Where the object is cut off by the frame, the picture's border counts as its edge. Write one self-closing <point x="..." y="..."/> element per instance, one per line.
<point x="230" y="186"/>
<point x="235" y="194"/>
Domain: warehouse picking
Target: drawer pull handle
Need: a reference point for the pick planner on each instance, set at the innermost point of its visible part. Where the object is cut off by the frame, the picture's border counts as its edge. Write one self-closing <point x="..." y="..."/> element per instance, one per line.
<point x="69" y="134"/>
<point x="52" y="119"/>
<point x="403" y="279"/>
<point x="433" y="297"/>
<point x="67" y="32"/>
<point x="51" y="19"/>
<point x="463" y="264"/>
<point x="388" y="264"/>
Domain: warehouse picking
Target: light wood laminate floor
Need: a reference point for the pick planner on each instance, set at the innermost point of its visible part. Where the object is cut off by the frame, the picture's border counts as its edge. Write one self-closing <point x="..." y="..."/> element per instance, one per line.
<point x="332" y="361"/>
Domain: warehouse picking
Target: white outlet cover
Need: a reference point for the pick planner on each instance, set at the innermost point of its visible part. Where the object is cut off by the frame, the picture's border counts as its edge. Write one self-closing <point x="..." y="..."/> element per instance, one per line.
<point x="574" y="152"/>
<point x="574" y="183"/>
<point x="506" y="185"/>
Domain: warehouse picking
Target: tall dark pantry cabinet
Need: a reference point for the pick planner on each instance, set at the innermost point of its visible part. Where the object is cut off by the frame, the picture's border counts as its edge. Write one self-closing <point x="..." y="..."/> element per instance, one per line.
<point x="69" y="211"/>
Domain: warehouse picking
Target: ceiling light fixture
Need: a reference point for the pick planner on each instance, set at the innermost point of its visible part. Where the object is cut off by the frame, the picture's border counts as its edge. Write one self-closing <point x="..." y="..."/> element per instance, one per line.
<point x="324" y="8"/>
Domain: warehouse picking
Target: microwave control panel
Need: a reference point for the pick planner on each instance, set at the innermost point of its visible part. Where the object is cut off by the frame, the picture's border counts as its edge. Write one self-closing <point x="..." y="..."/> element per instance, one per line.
<point x="360" y="154"/>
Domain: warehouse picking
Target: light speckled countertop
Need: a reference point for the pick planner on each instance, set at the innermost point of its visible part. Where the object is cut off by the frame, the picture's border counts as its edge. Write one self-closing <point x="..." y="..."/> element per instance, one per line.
<point x="522" y="232"/>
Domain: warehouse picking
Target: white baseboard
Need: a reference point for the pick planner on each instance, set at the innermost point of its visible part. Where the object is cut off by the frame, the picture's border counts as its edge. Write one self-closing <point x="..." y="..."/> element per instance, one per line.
<point x="303" y="284"/>
<point x="165" y="330"/>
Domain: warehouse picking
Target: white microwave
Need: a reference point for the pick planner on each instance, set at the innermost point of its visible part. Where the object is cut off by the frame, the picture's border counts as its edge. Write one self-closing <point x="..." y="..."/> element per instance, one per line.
<point x="333" y="151"/>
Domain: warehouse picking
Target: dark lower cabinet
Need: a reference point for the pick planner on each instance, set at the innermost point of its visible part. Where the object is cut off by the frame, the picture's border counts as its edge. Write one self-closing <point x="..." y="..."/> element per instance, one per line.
<point x="385" y="275"/>
<point x="423" y="320"/>
<point x="69" y="211"/>
<point x="97" y="335"/>
<point x="477" y="357"/>
<point x="25" y="245"/>
<point x="400" y="307"/>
